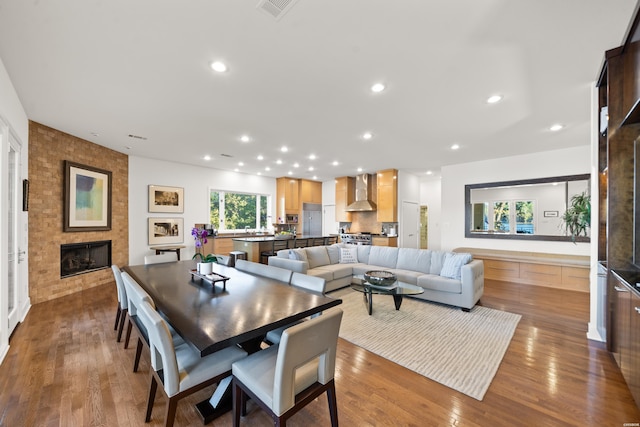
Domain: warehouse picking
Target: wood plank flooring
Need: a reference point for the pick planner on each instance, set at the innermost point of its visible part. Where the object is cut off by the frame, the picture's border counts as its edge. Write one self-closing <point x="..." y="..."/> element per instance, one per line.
<point x="64" y="368"/>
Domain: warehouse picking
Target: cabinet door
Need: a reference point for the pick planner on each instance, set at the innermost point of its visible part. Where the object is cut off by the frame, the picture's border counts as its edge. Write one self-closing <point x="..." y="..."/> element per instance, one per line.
<point x="291" y="198"/>
<point x="345" y="187"/>
<point x="633" y="359"/>
<point x="310" y="191"/>
<point x="622" y="313"/>
<point x="387" y="186"/>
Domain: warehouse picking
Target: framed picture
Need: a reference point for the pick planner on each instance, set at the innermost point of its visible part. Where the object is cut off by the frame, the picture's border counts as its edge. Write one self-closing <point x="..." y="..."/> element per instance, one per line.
<point x="87" y="198"/>
<point x="166" y="199"/>
<point x="550" y="214"/>
<point x="25" y="195"/>
<point x="166" y="230"/>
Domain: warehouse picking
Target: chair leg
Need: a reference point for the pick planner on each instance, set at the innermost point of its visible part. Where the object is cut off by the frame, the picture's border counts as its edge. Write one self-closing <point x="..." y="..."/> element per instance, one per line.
<point x="333" y="404"/>
<point x="122" y="319"/>
<point x="128" y="334"/>
<point x="152" y="396"/>
<point x="237" y="393"/>
<point x="172" y="405"/>
<point x="136" y="362"/>
<point x="115" y="327"/>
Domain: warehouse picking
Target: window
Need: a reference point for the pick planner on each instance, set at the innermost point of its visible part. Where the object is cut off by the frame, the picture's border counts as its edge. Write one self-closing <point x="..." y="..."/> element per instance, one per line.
<point x="509" y="213"/>
<point x="238" y="211"/>
<point x="501" y="216"/>
<point x="524" y="217"/>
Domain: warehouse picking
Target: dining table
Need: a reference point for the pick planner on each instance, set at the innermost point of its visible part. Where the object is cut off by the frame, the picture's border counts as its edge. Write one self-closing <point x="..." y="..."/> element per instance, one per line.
<point x="211" y="313"/>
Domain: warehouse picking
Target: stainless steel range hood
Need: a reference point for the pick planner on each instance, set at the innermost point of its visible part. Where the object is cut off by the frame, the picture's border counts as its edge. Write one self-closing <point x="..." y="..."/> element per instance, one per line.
<point x="363" y="192"/>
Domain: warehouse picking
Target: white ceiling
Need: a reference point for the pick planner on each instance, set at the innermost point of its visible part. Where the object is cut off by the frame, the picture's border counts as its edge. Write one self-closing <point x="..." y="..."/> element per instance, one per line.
<point x="121" y="67"/>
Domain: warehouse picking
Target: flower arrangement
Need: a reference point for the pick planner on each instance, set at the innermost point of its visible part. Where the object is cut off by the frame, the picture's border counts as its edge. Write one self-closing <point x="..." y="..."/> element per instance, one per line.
<point x="200" y="237"/>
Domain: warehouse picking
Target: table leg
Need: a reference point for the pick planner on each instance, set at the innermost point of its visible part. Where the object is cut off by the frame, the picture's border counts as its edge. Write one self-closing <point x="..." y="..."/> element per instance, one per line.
<point x="370" y="302"/>
<point x="397" y="300"/>
<point x="219" y="403"/>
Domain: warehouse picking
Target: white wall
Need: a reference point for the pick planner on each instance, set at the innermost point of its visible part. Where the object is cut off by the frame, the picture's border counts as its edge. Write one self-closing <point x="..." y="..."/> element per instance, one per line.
<point x="14" y="120"/>
<point x="196" y="182"/>
<point x="408" y="191"/>
<point x="570" y="161"/>
<point x="430" y="196"/>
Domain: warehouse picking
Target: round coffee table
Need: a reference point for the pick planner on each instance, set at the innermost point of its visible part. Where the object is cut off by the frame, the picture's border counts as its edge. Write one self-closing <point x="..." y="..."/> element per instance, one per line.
<point x="398" y="290"/>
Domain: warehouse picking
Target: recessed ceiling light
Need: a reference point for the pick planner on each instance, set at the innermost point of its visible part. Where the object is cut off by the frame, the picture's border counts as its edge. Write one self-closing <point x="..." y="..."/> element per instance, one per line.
<point x="267" y="168"/>
<point x="290" y="173"/>
<point x="494" y="98"/>
<point x="279" y="161"/>
<point x="312" y="156"/>
<point x="556" y="127"/>
<point x="359" y="169"/>
<point x="260" y="157"/>
<point x="218" y="66"/>
<point x="315" y="177"/>
<point x="284" y="149"/>
<point x="259" y="173"/>
<point x="236" y="170"/>
<point x="429" y="173"/>
<point x="335" y="163"/>
<point x="455" y="147"/>
<point x="240" y="163"/>
<point x="367" y="135"/>
<point x="245" y="138"/>
<point x="377" y="87"/>
<point x="310" y="168"/>
<point x="296" y="165"/>
<point x="207" y="157"/>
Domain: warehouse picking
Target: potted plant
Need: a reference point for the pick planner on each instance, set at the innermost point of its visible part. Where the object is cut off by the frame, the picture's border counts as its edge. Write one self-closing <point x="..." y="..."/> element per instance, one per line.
<point x="200" y="237"/>
<point x="577" y="218"/>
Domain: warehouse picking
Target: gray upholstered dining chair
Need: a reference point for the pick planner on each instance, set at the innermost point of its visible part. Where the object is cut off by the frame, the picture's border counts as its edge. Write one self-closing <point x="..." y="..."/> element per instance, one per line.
<point x="310" y="283"/>
<point x="157" y="259"/>
<point x="286" y="377"/>
<point x="264" y="270"/>
<point x="135" y="297"/>
<point x="121" y="313"/>
<point x="182" y="371"/>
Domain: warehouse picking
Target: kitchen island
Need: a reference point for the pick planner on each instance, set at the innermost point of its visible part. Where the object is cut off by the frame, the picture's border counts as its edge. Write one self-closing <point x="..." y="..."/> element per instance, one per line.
<point x="254" y="246"/>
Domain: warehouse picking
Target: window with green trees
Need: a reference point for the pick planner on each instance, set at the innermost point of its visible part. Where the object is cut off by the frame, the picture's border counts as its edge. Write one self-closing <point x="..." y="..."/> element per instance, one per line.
<point x="510" y="216"/>
<point x="238" y="211"/>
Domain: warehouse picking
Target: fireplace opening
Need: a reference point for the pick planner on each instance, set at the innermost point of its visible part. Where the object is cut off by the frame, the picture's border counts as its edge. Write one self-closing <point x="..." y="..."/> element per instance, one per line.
<point x="80" y="258"/>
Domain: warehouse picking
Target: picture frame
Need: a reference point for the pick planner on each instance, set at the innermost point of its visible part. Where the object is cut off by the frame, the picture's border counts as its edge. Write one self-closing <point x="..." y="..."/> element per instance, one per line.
<point x="87" y="198"/>
<point x="551" y="214"/>
<point x="166" y="230"/>
<point x="25" y="195"/>
<point x="163" y="199"/>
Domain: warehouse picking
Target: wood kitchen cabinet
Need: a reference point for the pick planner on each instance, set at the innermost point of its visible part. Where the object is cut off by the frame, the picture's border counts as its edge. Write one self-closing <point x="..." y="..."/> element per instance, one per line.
<point x="385" y="241"/>
<point x="345" y="192"/>
<point x="287" y="197"/>
<point x="387" y="195"/>
<point x="218" y="245"/>
<point x="626" y="337"/>
<point x="310" y="191"/>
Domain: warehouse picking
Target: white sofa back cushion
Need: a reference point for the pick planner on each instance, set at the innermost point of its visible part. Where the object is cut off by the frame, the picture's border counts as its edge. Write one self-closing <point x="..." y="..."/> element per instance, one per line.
<point x="317" y="256"/>
<point x="437" y="260"/>
<point x="334" y="253"/>
<point x="363" y="253"/>
<point x="383" y="256"/>
<point x="414" y="260"/>
<point x="453" y="262"/>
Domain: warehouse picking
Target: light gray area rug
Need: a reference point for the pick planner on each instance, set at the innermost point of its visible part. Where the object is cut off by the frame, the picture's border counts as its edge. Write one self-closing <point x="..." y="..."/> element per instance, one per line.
<point x="459" y="350"/>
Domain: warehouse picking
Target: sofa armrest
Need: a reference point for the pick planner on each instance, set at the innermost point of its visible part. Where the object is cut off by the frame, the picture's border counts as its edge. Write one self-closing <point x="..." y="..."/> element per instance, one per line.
<point x="289" y="264"/>
<point x="472" y="278"/>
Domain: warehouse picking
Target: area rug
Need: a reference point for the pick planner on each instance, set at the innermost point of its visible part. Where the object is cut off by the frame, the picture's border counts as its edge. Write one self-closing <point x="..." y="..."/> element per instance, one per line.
<point x="459" y="350"/>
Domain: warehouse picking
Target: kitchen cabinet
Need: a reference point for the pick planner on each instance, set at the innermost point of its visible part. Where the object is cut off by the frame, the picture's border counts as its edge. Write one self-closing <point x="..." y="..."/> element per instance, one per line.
<point x="310" y="191"/>
<point x="385" y="241"/>
<point x="345" y="192"/>
<point x="287" y="197"/>
<point x="218" y="245"/>
<point x="387" y="195"/>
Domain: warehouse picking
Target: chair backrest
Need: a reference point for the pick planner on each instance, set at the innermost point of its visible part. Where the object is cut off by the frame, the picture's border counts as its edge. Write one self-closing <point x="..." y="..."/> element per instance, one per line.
<point x="311" y="283"/>
<point x="301" y="243"/>
<point x="319" y="241"/>
<point x="331" y="240"/>
<point x="223" y="259"/>
<point x="161" y="345"/>
<point x="122" y="292"/>
<point x="135" y="294"/>
<point x="277" y="273"/>
<point x="280" y="244"/>
<point x="165" y="257"/>
<point x="300" y="344"/>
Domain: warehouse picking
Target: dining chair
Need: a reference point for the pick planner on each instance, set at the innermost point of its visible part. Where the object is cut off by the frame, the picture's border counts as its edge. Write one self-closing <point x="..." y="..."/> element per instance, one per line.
<point x="182" y="371"/>
<point x="284" y="378"/>
<point x="304" y="281"/>
<point x="165" y="257"/>
<point x="136" y="295"/>
<point x="276" y="245"/>
<point x="332" y="240"/>
<point x="318" y="241"/>
<point x="121" y="313"/>
<point x="301" y="243"/>
<point x="223" y="259"/>
<point x="277" y="273"/>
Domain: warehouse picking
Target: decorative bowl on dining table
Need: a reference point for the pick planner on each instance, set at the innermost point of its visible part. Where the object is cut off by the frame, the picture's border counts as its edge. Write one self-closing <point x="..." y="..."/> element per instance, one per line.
<point x="380" y="278"/>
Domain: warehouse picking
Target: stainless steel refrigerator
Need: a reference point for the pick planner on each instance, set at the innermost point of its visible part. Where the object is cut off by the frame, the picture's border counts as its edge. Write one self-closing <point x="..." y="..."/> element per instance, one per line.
<point x="311" y="219"/>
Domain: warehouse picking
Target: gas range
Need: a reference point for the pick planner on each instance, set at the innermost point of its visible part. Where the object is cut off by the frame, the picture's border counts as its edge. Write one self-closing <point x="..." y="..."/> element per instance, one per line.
<point x="356" y="238"/>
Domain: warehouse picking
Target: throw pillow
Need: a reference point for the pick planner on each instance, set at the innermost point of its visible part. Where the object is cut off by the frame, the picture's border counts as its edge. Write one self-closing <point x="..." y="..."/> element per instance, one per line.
<point x="348" y="255"/>
<point x="453" y="262"/>
<point x="295" y="255"/>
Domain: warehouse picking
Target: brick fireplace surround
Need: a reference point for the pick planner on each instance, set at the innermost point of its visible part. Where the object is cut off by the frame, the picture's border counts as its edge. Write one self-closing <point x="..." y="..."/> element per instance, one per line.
<point x="48" y="148"/>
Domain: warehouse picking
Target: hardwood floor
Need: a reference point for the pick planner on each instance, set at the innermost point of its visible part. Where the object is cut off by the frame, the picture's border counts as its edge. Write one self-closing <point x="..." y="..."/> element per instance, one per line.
<point x="65" y="368"/>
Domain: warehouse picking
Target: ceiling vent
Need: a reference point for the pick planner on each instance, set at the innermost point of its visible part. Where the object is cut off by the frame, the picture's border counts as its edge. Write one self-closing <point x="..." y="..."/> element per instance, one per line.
<point x="276" y="8"/>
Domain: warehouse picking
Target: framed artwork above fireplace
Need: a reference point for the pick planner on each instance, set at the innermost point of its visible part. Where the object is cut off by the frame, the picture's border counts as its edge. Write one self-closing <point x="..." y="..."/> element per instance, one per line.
<point x="87" y="198"/>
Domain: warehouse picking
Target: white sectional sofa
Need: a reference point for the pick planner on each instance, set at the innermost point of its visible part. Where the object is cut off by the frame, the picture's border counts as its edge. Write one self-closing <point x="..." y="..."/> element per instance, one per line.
<point x="446" y="277"/>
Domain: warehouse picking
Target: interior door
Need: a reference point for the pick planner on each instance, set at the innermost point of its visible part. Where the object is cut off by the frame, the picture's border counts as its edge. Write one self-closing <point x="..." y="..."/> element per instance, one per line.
<point x="410" y="234"/>
<point x="13" y="250"/>
<point x="330" y="224"/>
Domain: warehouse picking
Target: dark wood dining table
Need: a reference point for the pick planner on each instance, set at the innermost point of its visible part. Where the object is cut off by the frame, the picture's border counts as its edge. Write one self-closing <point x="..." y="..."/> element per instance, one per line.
<point x="211" y="318"/>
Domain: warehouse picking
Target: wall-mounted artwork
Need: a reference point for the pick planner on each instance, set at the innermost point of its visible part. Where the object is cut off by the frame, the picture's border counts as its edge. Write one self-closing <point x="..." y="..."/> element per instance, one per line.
<point x="166" y="199"/>
<point x="87" y="198"/>
<point x="166" y="230"/>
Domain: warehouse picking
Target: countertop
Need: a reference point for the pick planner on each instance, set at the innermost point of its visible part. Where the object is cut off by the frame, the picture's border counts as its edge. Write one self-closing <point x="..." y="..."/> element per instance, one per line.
<point x="250" y="238"/>
<point x="631" y="278"/>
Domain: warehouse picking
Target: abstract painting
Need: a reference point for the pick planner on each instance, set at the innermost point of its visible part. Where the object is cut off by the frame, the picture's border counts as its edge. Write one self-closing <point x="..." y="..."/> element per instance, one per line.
<point x="87" y="195"/>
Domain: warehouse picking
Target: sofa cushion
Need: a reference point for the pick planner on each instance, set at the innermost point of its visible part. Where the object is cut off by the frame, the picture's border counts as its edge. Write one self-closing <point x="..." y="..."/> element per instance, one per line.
<point x="297" y="254"/>
<point x="338" y="271"/>
<point x="414" y="260"/>
<point x="407" y="276"/>
<point x="383" y="256"/>
<point x="348" y="255"/>
<point x="363" y="253"/>
<point x="453" y="262"/>
<point x="437" y="259"/>
<point x="439" y="283"/>
<point x="361" y="268"/>
<point x="334" y="253"/>
<point x="317" y="256"/>
<point x="321" y="272"/>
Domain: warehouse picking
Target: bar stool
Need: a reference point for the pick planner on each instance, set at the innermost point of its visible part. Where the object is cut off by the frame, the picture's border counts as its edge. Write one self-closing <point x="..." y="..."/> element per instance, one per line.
<point x="236" y="255"/>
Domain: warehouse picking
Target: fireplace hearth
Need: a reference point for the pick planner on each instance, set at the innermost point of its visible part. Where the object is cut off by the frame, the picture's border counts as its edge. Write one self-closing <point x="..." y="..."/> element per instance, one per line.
<point x="80" y="258"/>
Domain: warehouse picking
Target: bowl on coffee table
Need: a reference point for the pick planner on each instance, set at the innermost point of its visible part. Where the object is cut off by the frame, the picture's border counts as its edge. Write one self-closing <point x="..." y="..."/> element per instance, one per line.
<point x="380" y="278"/>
